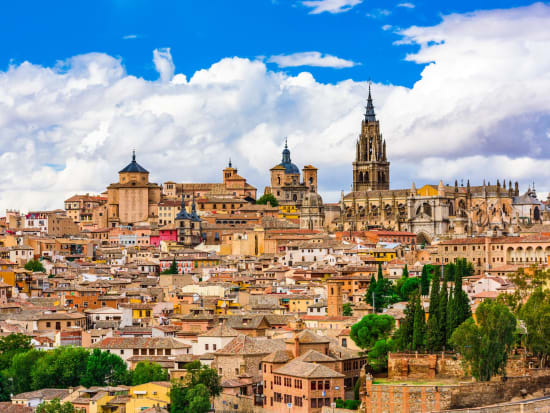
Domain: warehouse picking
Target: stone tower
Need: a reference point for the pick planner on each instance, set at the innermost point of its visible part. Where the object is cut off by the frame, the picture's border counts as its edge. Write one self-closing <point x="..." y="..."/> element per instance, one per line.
<point x="334" y="298"/>
<point x="371" y="169"/>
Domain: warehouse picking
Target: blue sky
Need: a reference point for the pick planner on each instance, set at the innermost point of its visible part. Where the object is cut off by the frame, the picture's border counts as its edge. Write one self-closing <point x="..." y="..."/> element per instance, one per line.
<point x="201" y="32"/>
<point x="461" y="90"/>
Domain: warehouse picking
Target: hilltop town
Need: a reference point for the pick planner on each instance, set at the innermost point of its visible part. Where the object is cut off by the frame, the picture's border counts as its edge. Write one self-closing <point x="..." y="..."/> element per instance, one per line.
<point x="218" y="295"/>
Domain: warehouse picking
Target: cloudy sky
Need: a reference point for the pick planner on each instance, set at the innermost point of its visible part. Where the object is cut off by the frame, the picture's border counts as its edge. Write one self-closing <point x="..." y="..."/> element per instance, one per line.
<point x="461" y="92"/>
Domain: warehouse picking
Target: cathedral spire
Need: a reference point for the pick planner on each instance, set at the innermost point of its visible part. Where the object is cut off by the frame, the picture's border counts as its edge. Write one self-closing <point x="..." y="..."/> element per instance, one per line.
<point x="286" y="153"/>
<point x="369" y="112"/>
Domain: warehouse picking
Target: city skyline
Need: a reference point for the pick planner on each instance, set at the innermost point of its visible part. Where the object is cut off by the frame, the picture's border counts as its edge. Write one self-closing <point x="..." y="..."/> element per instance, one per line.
<point x="466" y="101"/>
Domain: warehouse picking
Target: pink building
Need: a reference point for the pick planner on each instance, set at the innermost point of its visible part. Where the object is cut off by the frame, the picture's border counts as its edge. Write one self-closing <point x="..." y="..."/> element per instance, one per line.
<point x="167" y="233"/>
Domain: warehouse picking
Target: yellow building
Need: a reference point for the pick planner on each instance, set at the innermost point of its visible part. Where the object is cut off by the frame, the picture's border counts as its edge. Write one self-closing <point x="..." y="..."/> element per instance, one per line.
<point x="7" y="272"/>
<point x="382" y="254"/>
<point x="299" y="304"/>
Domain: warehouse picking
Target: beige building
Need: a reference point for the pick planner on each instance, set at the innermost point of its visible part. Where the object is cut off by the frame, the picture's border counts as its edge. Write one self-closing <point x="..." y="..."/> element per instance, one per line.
<point x="133" y="198"/>
<point x="286" y="185"/>
<point x="488" y="253"/>
<point x="232" y="185"/>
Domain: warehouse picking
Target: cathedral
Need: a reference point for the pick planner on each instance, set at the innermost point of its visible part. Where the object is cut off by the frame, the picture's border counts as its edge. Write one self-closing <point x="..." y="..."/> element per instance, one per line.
<point x="432" y="211"/>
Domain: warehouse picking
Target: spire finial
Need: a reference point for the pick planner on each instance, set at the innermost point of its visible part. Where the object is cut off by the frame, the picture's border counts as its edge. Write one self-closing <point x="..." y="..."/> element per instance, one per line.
<point x="369" y="112"/>
<point x="134" y="155"/>
<point x="230" y="164"/>
<point x="286" y="142"/>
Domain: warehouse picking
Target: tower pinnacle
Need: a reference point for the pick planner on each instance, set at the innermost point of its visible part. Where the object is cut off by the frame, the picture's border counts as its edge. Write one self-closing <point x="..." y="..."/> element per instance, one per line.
<point x="369" y="109"/>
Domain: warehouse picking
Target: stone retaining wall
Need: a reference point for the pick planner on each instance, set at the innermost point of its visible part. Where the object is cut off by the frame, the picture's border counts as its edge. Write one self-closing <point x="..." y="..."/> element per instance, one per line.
<point x="403" y="398"/>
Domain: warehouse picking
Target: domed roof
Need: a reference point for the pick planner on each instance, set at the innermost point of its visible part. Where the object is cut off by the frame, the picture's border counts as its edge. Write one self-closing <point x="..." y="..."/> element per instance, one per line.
<point x="286" y="163"/>
<point x="134" y="166"/>
<point x="312" y="199"/>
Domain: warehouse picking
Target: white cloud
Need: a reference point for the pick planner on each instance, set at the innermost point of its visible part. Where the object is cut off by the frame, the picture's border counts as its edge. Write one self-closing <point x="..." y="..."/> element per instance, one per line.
<point x="331" y="6"/>
<point x="386" y="27"/>
<point x="406" y="5"/>
<point x="480" y="110"/>
<point x="310" y="59"/>
<point x="162" y="58"/>
<point x="378" y="13"/>
<point x="130" y="37"/>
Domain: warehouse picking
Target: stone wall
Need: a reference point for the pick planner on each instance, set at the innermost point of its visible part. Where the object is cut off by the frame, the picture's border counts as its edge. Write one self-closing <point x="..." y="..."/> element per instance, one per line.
<point x="404" y="398"/>
<point x="424" y="366"/>
<point x="442" y="365"/>
<point x="226" y="403"/>
<point x="527" y="406"/>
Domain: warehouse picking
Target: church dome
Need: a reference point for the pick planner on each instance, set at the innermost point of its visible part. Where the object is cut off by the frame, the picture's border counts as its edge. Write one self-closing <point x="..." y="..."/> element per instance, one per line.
<point x="286" y="163"/>
<point x="312" y="200"/>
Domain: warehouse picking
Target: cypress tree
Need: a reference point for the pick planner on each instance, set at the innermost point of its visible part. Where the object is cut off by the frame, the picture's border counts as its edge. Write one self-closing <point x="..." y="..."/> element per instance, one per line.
<point x="463" y="309"/>
<point x="442" y="315"/>
<point x="173" y="267"/>
<point x="419" y="326"/>
<point x="371" y="290"/>
<point x="424" y="281"/>
<point x="449" y="316"/>
<point x="405" y="273"/>
<point x="380" y="276"/>
<point x="433" y="329"/>
<point x="405" y="333"/>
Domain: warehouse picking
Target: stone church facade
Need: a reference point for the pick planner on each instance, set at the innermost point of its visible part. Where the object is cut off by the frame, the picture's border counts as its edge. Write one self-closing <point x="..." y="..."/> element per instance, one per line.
<point x="430" y="211"/>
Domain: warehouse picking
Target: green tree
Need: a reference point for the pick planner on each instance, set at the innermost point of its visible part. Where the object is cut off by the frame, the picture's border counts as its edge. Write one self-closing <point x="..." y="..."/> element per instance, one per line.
<point x="371" y="290"/>
<point x="173" y="269"/>
<point x="178" y="399"/>
<point x="526" y="283"/>
<point x="484" y="346"/>
<point x="370" y="329"/>
<point x="458" y="308"/>
<point x="536" y="315"/>
<point x="347" y="310"/>
<point x="377" y="357"/>
<point x="442" y="314"/>
<point x="404" y="335"/>
<point x="408" y="287"/>
<point x="11" y="345"/>
<point x="148" y="372"/>
<point x="55" y="406"/>
<point x="434" y="340"/>
<point x="201" y="374"/>
<point x="198" y="399"/>
<point x="264" y="199"/>
<point x="21" y="368"/>
<point x="34" y="266"/>
<point x="405" y="273"/>
<point x="104" y="369"/>
<point x="419" y="326"/>
<point x="424" y="281"/>
<point x="60" y="368"/>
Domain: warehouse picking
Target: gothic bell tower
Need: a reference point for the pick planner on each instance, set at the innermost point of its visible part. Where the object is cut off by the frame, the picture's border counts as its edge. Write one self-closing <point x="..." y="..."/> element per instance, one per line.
<point x="371" y="169"/>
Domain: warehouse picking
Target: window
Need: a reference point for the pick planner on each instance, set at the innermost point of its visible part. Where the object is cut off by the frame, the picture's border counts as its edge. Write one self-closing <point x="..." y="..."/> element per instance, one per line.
<point x="298" y="383"/>
<point x="327" y="385"/>
<point x="121" y="351"/>
<point x="313" y="387"/>
<point x="277" y="380"/>
<point x="297" y="401"/>
<point x="287" y="382"/>
<point x="277" y="397"/>
<point x="206" y="346"/>
<point x="288" y="398"/>
<point x="313" y="403"/>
